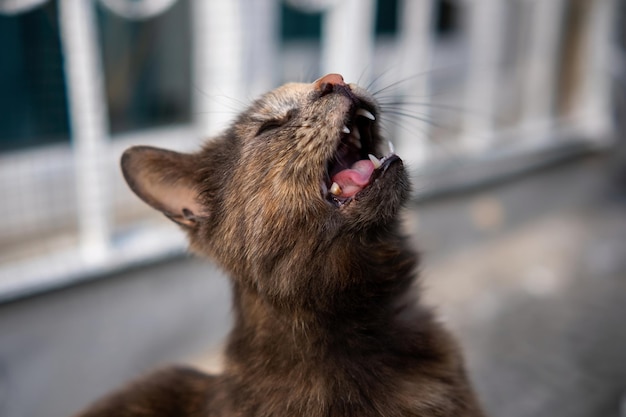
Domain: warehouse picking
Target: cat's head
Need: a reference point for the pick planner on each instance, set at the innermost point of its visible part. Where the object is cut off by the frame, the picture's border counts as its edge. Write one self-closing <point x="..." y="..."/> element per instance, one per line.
<point x="292" y="176"/>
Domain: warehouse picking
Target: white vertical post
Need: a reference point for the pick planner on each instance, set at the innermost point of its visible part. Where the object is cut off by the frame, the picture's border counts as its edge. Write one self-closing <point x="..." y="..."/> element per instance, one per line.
<point x="348" y="39"/>
<point x="595" y="99"/>
<point x="538" y="85"/>
<point x="415" y="51"/>
<point x="218" y="50"/>
<point x="486" y="33"/>
<point x="89" y="123"/>
<point x="261" y="42"/>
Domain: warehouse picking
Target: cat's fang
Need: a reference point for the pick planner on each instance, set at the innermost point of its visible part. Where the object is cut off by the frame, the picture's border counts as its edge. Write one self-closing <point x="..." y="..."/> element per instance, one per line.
<point x="335" y="189"/>
<point x="375" y="161"/>
<point x="366" y="114"/>
<point x="391" y="148"/>
<point x="346" y="130"/>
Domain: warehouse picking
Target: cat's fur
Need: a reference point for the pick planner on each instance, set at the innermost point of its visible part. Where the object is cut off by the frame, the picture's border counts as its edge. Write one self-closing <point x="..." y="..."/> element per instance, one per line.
<point x="327" y="319"/>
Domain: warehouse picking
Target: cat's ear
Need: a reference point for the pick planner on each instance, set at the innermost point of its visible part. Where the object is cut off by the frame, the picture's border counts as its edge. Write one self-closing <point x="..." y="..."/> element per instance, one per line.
<point x="166" y="181"/>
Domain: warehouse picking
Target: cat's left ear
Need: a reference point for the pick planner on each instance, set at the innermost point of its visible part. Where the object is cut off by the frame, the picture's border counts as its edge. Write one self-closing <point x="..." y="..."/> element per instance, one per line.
<point x="166" y="181"/>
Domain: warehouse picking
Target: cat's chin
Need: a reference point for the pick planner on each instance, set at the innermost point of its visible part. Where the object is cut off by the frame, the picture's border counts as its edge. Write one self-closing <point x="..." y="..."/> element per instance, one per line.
<point x="378" y="204"/>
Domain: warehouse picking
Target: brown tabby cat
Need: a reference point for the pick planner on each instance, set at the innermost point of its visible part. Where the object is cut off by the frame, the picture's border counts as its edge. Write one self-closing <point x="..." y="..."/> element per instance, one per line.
<point x="292" y="202"/>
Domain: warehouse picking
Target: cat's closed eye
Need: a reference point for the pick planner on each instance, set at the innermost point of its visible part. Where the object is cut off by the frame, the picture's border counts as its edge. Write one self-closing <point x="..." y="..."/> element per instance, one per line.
<point x="270" y="125"/>
<point x="275" y="123"/>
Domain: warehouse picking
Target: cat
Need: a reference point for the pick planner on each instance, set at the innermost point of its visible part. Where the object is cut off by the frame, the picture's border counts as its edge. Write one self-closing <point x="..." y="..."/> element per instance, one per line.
<point x="298" y="204"/>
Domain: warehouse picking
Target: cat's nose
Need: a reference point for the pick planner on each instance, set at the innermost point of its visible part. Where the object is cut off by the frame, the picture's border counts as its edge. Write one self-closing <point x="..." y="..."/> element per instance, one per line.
<point x="328" y="82"/>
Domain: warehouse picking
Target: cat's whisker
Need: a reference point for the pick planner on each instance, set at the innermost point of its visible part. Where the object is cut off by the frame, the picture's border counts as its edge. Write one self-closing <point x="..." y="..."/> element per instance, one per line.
<point x="414" y="117"/>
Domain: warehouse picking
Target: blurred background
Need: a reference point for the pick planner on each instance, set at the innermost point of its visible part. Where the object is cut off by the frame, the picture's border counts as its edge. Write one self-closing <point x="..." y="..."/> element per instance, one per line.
<point x="508" y="113"/>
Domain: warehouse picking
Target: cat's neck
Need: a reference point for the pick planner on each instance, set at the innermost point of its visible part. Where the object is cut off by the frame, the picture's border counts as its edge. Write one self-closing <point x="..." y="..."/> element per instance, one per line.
<point x="358" y="355"/>
<point x="378" y="302"/>
<point x="282" y="360"/>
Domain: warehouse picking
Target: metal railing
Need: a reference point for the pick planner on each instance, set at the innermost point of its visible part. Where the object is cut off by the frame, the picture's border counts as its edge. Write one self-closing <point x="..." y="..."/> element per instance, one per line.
<point x="508" y="64"/>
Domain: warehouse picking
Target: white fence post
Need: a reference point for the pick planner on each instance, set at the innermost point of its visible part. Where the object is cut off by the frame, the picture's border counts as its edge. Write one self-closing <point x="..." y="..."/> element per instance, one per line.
<point x="539" y="79"/>
<point x="261" y="42"/>
<point x="348" y="40"/>
<point x="414" y="53"/>
<point x="485" y="20"/>
<point x="88" y="114"/>
<point x="595" y="99"/>
<point x="218" y="63"/>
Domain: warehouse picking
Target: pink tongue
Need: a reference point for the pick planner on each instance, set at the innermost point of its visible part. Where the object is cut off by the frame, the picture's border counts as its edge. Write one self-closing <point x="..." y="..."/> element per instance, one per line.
<point x="353" y="180"/>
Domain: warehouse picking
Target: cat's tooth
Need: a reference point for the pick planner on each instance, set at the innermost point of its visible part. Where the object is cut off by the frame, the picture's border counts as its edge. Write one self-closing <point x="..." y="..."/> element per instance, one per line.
<point x="391" y="148"/>
<point x="365" y="113"/>
<point x="345" y="130"/>
<point x="375" y="161"/>
<point x="335" y="189"/>
<point x="356" y="134"/>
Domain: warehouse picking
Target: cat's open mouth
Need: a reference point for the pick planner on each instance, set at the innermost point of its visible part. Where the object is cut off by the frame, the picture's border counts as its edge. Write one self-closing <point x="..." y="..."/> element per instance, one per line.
<point x="354" y="165"/>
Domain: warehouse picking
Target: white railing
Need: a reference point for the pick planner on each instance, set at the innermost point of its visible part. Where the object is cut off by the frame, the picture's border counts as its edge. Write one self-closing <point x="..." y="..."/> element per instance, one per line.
<point x="236" y="54"/>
